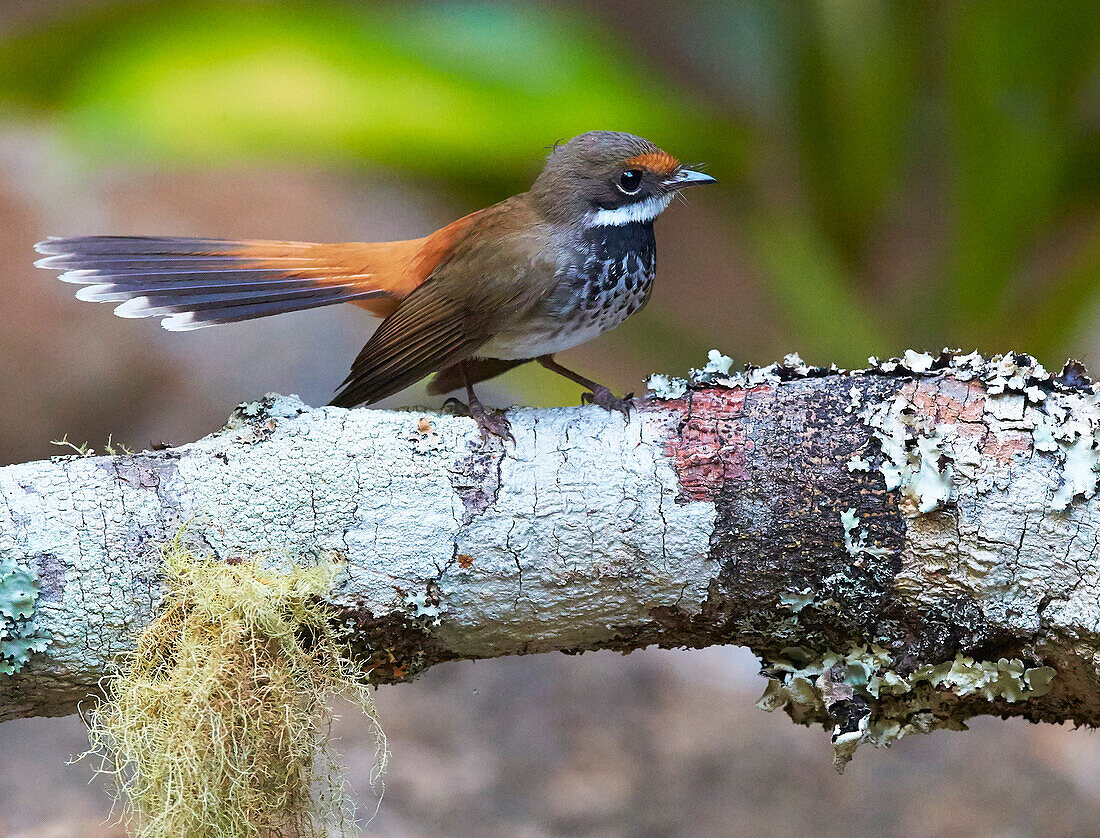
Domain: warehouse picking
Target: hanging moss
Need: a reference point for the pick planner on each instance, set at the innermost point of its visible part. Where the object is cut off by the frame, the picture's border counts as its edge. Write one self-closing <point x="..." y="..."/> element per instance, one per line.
<point x="216" y="725"/>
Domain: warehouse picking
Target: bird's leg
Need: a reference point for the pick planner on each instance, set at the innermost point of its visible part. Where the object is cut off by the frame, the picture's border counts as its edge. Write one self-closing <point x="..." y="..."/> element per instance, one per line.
<point x="489" y="422"/>
<point x="599" y="394"/>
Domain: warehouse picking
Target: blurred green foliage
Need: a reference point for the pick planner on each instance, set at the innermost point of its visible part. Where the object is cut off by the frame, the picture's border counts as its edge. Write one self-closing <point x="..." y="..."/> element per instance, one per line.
<point x="945" y="162"/>
<point x="470" y="92"/>
<point x="901" y="173"/>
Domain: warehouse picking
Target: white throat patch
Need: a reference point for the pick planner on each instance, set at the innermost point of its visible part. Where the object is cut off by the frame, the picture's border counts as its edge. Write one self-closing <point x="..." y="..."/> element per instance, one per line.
<point x="642" y="211"/>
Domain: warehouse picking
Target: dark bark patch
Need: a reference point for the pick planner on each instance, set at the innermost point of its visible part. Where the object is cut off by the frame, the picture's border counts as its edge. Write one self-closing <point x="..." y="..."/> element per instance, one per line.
<point x="392" y="646"/>
<point x="50" y="571"/>
<point x="475" y="478"/>
<point x="779" y="524"/>
<point x="775" y="461"/>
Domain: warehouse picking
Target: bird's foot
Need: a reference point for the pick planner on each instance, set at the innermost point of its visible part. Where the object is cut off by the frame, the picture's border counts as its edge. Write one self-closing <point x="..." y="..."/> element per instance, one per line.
<point x="490" y="422"/>
<point x="603" y="397"/>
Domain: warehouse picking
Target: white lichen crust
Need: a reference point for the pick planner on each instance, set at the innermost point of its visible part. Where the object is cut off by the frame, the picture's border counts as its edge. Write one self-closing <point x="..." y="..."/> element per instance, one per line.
<point x="903" y="546"/>
<point x="995" y="465"/>
<point x="551" y="543"/>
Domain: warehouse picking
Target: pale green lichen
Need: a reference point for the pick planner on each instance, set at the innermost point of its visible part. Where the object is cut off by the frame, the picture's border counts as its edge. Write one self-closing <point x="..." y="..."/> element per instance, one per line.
<point x="796" y="601"/>
<point x="271" y="406"/>
<point x="858" y="463"/>
<point x="717" y="364"/>
<point x="855" y="399"/>
<point x="793" y="362"/>
<point x="845" y="744"/>
<point x="19" y="636"/>
<point x="425" y="607"/>
<point x="918" y="362"/>
<point x="854" y="544"/>
<point x="664" y="387"/>
<point x="1078" y="445"/>
<point x="1004" y="678"/>
<point x="930" y="486"/>
<point x="895" y="705"/>
<point x="1014" y="373"/>
<point x="914" y="456"/>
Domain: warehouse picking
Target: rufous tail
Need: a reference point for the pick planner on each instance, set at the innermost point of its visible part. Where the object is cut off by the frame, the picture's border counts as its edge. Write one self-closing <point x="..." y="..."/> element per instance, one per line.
<point x="192" y="283"/>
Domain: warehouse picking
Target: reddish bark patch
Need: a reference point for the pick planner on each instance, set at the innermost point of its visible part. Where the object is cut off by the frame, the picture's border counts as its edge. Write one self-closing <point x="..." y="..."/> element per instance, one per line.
<point x="1004" y="447"/>
<point x="962" y="403"/>
<point x="710" y="445"/>
<point x="947" y="399"/>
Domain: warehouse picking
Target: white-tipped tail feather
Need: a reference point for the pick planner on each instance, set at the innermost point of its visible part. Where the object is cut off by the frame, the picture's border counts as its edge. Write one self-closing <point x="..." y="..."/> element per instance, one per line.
<point x="140" y="307"/>
<point x="193" y="283"/>
<point x="102" y="293"/>
<point x="184" y="322"/>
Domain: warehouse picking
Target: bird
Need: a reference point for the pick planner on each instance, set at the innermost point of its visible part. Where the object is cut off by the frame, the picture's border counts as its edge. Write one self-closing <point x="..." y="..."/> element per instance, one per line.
<point x="521" y="280"/>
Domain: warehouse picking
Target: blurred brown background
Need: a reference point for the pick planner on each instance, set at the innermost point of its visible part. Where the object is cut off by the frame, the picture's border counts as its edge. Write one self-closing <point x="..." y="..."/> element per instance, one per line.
<point x="893" y="175"/>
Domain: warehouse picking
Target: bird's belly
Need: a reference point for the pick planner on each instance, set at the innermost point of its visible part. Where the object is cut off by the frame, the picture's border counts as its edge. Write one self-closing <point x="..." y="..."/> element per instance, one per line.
<point x="583" y="308"/>
<point x="538" y="341"/>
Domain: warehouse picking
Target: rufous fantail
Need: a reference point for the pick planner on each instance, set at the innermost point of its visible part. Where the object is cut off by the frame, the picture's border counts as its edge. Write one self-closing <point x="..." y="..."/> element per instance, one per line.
<point x="538" y="273"/>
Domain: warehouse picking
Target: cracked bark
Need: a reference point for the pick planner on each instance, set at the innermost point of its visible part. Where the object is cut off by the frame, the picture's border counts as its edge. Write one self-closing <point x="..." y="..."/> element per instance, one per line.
<point x="955" y="586"/>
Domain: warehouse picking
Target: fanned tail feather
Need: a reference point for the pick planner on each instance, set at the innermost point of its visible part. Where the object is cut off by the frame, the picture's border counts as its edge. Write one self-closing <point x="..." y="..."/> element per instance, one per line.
<point x="192" y="283"/>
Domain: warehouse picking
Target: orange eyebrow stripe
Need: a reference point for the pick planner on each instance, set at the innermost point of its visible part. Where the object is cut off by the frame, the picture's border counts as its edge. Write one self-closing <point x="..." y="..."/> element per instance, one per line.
<point x="660" y="162"/>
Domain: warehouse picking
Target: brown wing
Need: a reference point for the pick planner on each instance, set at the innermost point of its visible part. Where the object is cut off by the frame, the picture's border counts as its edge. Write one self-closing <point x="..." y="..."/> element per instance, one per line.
<point x="481" y="282"/>
<point x="429" y="330"/>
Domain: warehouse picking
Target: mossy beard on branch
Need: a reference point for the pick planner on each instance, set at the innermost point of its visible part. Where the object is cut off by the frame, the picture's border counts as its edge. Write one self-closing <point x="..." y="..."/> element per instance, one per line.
<point x="217" y="724"/>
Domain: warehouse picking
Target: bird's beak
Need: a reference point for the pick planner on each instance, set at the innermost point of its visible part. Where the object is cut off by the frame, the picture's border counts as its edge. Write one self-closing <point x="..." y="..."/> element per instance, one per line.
<point x="686" y="177"/>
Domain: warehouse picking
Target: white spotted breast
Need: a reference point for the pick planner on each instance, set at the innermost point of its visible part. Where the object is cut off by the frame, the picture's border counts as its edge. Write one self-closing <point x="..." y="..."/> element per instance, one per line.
<point x="602" y="280"/>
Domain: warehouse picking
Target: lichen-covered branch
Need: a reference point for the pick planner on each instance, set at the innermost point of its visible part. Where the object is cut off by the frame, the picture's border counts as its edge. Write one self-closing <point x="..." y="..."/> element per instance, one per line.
<point x="903" y="546"/>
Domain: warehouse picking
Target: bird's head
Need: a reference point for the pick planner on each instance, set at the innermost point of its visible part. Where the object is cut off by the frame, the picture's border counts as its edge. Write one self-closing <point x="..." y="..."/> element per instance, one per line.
<point x="606" y="178"/>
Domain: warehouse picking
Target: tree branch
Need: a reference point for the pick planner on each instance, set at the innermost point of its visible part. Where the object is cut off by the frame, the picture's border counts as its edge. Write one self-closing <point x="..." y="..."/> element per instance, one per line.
<point x="904" y="546"/>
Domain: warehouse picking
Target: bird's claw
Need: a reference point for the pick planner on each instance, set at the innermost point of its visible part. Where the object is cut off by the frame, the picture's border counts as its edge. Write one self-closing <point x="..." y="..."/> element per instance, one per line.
<point x="491" y="423"/>
<point x="603" y="397"/>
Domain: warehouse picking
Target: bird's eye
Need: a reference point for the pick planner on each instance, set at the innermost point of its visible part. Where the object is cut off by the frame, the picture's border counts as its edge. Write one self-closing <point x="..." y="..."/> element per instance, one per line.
<point x="630" y="181"/>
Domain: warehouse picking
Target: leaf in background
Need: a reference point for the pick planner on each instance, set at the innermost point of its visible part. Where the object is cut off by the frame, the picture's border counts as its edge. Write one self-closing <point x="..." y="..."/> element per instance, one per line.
<point x="856" y="70"/>
<point x="1015" y="73"/>
<point x="831" y="91"/>
<point x="472" y="92"/>
<point x="813" y="292"/>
